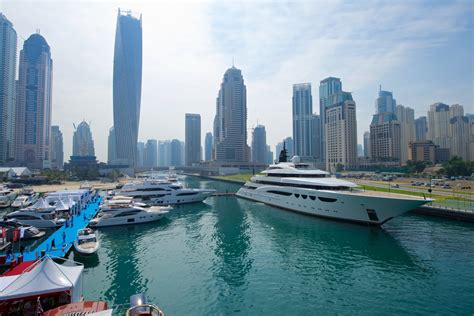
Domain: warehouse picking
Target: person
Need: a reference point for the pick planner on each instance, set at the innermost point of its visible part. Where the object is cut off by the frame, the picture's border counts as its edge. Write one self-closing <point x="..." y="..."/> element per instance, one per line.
<point x="53" y="245"/>
<point x="64" y="237"/>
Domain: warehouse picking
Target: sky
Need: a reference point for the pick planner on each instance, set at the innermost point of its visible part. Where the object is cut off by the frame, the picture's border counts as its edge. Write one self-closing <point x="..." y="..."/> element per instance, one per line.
<point x="422" y="51"/>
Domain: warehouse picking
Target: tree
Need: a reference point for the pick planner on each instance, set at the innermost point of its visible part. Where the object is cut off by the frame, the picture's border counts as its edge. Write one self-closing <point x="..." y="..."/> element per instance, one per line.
<point x="458" y="167"/>
<point x="339" y="167"/>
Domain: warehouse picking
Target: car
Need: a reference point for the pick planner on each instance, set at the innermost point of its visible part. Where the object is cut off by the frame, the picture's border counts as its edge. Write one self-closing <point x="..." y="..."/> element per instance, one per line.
<point x="395" y="185"/>
<point x="466" y="187"/>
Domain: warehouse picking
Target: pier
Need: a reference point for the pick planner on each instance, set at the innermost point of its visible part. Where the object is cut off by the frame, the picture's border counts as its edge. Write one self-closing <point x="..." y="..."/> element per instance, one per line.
<point x="62" y="245"/>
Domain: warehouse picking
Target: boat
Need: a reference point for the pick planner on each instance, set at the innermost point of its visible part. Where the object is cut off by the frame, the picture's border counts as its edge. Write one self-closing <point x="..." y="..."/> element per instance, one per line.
<point x="39" y="219"/>
<point x="163" y="192"/>
<point x="139" y="306"/>
<point x="86" y="242"/>
<point x="7" y="196"/>
<point x="25" y="198"/>
<point x="296" y="187"/>
<point x="26" y="231"/>
<point x="81" y="308"/>
<point x="126" y="215"/>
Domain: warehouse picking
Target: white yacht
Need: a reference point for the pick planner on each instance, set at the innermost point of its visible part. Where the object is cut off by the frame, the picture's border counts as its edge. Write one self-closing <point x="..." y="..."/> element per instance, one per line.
<point x="39" y="219"/>
<point x="25" y="198"/>
<point x="7" y="196"/>
<point x="129" y="214"/>
<point x="295" y="187"/>
<point x="86" y="242"/>
<point x="159" y="192"/>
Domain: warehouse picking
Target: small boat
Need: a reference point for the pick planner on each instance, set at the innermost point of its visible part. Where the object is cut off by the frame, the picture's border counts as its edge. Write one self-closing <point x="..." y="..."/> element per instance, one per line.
<point x="139" y="306"/>
<point x="25" y="198"/>
<point x="7" y="196"/>
<point x="86" y="242"/>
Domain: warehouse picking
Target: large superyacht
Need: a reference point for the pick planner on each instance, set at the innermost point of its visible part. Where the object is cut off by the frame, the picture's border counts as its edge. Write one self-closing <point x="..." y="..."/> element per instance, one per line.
<point x="296" y="187"/>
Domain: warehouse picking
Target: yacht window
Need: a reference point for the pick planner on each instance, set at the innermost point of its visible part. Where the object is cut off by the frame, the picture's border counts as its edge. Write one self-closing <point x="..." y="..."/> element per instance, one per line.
<point x="249" y="187"/>
<point x="297" y="195"/>
<point x="280" y="192"/>
<point x="304" y="196"/>
<point x="325" y="199"/>
<point x="186" y="193"/>
<point x="24" y="217"/>
<point x="312" y="197"/>
<point x="128" y="213"/>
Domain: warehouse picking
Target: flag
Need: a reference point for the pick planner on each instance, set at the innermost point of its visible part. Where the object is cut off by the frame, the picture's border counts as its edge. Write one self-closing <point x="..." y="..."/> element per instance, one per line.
<point x="39" y="309"/>
<point x="16" y="234"/>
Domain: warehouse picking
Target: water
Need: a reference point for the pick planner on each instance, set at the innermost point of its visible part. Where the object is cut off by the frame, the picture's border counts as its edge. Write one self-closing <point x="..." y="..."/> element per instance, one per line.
<point x="230" y="255"/>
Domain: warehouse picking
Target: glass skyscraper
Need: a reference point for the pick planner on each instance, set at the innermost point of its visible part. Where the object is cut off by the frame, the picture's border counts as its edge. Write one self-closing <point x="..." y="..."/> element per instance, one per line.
<point x="127" y="85"/>
<point x="8" y="44"/>
<point x="259" y="145"/>
<point x="82" y="142"/>
<point x="208" y="146"/>
<point x="327" y="87"/>
<point x="302" y="120"/>
<point x="192" y="142"/>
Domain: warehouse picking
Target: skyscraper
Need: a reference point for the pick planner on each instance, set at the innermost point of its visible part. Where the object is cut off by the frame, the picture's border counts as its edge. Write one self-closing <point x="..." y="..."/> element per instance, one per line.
<point x="150" y="159"/>
<point x="327" y="87"/>
<point x="385" y="103"/>
<point x="288" y="145"/>
<point x="302" y="120"/>
<point x="230" y="122"/>
<point x="341" y="132"/>
<point x="163" y="153"/>
<point x="57" y="150"/>
<point x="140" y="154"/>
<point x="8" y="44"/>
<point x="259" y="145"/>
<point x="192" y="140"/>
<point x="406" y="117"/>
<point x="421" y="128"/>
<point x="82" y="142"/>
<point x="175" y="153"/>
<point x="438" y="124"/>
<point x="208" y="146"/>
<point x="111" y="150"/>
<point x="33" y="110"/>
<point x="127" y="85"/>
<point x="367" y="144"/>
<point x="316" y="137"/>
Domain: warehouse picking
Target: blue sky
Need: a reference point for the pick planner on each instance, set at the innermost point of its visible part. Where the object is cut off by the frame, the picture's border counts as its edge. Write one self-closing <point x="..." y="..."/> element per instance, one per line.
<point x="420" y="50"/>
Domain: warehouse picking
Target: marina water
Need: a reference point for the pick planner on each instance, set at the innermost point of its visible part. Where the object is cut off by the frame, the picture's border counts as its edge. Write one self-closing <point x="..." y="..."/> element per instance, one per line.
<point x="230" y="255"/>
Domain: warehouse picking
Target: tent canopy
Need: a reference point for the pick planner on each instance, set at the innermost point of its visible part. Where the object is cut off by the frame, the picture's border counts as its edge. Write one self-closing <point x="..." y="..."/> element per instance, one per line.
<point x="41" y="204"/>
<point x="43" y="278"/>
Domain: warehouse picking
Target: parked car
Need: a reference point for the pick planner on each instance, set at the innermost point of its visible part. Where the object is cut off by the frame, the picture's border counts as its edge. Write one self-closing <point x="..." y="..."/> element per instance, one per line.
<point x="395" y="185"/>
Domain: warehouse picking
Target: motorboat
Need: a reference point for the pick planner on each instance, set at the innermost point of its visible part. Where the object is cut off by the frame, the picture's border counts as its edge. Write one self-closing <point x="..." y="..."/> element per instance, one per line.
<point x="7" y="196"/>
<point x="127" y="215"/>
<point x="139" y="306"/>
<point x="86" y="242"/>
<point x="26" y="231"/>
<point x="38" y="218"/>
<point x="25" y="198"/>
<point x="162" y="192"/>
<point x="296" y="187"/>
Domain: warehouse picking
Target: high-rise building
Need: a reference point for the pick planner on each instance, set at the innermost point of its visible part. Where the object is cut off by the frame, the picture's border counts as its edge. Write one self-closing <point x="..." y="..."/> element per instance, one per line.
<point x="163" y="154"/>
<point x="33" y="109"/>
<point x="230" y="122"/>
<point x="421" y="128"/>
<point x="438" y="125"/>
<point x="422" y="150"/>
<point x="192" y="141"/>
<point x="175" y="153"/>
<point x="140" y="154"/>
<point x="459" y="130"/>
<point x="8" y="42"/>
<point x="259" y="145"/>
<point x="57" y="150"/>
<point x="327" y="87"/>
<point x="208" y="146"/>
<point x="127" y="85"/>
<point x="406" y="118"/>
<point x="302" y="120"/>
<point x="150" y="159"/>
<point x="111" y="150"/>
<point x="269" y="157"/>
<point x="385" y="137"/>
<point x="385" y="103"/>
<point x="341" y="132"/>
<point x="82" y="142"/>
<point x="367" y="144"/>
<point x="316" y="137"/>
<point x="360" y="150"/>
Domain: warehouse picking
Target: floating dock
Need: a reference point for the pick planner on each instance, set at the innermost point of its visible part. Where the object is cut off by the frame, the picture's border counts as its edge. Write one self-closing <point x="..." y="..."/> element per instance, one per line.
<point x="63" y="243"/>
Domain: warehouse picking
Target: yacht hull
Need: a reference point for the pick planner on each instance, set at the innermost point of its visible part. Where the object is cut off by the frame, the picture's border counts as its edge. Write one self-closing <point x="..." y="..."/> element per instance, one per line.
<point x="364" y="209"/>
<point x="126" y="220"/>
<point x="187" y="197"/>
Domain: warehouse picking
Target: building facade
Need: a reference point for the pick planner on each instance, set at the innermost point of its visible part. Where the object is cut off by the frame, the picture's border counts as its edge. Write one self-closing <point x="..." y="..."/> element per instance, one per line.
<point x="438" y="125"/>
<point x="316" y="137"/>
<point x="208" y="141"/>
<point x="175" y="152"/>
<point x="8" y="46"/>
<point x="385" y="137"/>
<point x="302" y="121"/>
<point x="111" y="150"/>
<point x="150" y="156"/>
<point x="385" y="103"/>
<point x="421" y="128"/>
<point x="327" y="87"/>
<point x="82" y="142"/>
<point x="140" y="154"/>
<point x="341" y="132"/>
<point x="406" y="118"/>
<point x="230" y="122"/>
<point x="259" y="145"/>
<point x="33" y="109"/>
<point x="422" y="150"/>
<point x="127" y="85"/>
<point x="367" y="144"/>
<point x="192" y="140"/>
<point x="57" y="148"/>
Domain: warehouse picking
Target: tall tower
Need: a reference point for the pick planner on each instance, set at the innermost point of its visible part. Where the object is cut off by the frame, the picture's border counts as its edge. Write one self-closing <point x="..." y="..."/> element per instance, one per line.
<point x="127" y="85"/>
<point x="230" y="122"/>
<point x="192" y="142"/>
<point x="406" y="117"/>
<point x="82" y="142"/>
<point x="111" y="150"/>
<point x="57" y="150"/>
<point x="208" y="146"/>
<point x="302" y="120"/>
<point x="8" y="44"/>
<point x="259" y="145"/>
<point x="327" y="87"/>
<point x="33" y="111"/>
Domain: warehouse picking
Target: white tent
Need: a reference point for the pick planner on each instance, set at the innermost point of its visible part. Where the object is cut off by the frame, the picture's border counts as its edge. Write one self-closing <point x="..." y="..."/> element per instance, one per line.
<point x="41" y="204"/>
<point x="61" y="206"/>
<point x="45" y="277"/>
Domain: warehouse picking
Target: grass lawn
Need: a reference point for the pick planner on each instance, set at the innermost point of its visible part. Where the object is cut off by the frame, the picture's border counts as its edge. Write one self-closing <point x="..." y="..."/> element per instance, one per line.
<point x="241" y="177"/>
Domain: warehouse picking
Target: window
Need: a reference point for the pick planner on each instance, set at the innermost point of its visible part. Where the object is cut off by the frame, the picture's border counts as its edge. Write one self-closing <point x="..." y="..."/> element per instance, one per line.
<point x="325" y="199"/>
<point x="297" y="195"/>
<point x="186" y="193"/>
<point x="312" y="197"/>
<point x="304" y="196"/>
<point x="280" y="192"/>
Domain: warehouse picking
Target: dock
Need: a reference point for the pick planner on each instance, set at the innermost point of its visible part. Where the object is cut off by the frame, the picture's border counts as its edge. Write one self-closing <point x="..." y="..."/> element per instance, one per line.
<point x="62" y="246"/>
<point x="445" y="212"/>
<point x="224" y="194"/>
